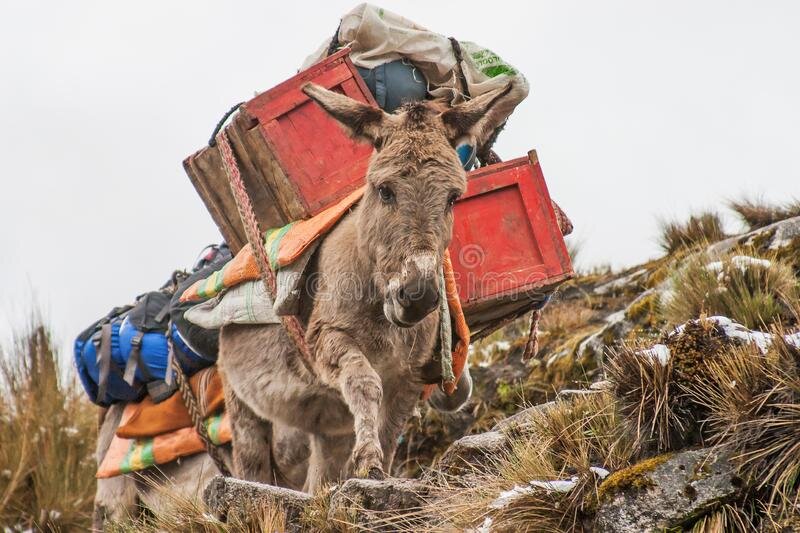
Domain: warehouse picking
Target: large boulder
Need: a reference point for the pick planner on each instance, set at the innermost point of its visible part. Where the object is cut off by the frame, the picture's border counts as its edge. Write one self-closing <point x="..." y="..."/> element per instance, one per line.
<point x="227" y="497"/>
<point x="387" y="505"/>
<point x="666" y="491"/>
<point x="773" y="237"/>
<point x="473" y="453"/>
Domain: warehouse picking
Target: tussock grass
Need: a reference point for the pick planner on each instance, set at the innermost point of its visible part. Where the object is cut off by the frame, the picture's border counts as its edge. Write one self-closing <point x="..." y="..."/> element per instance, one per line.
<point x="753" y="401"/>
<point x="563" y="442"/>
<point x="660" y="399"/>
<point x="47" y="437"/>
<point x="698" y="229"/>
<point x="736" y="287"/>
<point x="646" y="397"/>
<point x="757" y="213"/>
<point x="729" y="517"/>
<point x="562" y="318"/>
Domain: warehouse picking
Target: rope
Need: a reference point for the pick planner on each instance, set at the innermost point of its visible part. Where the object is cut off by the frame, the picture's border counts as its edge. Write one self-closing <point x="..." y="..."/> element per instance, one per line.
<point x="254" y="236"/>
<point x="532" y="346"/>
<point x="462" y="79"/>
<point x="190" y="402"/>
<point x="213" y="140"/>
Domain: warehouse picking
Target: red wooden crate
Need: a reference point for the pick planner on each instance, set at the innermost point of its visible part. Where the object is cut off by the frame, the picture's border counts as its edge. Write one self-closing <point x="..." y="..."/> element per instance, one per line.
<point x="295" y="160"/>
<point x="323" y="162"/>
<point x="507" y="249"/>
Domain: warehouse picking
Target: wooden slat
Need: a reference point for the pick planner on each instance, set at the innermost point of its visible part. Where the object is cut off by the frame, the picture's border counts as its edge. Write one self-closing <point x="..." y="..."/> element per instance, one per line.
<point x="208" y="177"/>
<point x="272" y="174"/>
<point x="268" y="211"/>
<point x="283" y="104"/>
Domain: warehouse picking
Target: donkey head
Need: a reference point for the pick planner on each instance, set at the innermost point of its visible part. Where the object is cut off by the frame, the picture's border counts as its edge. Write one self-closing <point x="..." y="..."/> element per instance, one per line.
<point x="405" y="218"/>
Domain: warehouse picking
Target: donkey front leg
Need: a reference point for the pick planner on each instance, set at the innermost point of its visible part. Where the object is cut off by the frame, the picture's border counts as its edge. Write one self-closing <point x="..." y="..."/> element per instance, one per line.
<point x="345" y="367"/>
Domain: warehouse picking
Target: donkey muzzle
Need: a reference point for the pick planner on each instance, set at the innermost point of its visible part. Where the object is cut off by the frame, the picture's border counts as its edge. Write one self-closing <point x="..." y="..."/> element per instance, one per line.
<point x="414" y="296"/>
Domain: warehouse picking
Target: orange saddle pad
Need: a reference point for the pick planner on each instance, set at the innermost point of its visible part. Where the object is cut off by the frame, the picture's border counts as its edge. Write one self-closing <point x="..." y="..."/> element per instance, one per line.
<point x="148" y="419"/>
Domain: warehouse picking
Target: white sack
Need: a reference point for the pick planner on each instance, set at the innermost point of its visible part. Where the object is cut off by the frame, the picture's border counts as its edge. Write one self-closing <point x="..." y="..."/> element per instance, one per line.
<point x="377" y="36"/>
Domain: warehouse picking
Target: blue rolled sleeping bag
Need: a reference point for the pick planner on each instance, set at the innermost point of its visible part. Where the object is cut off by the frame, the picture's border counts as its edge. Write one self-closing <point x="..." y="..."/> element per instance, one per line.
<point x="125" y="354"/>
<point x="87" y="363"/>
<point x="155" y="352"/>
<point x="105" y="382"/>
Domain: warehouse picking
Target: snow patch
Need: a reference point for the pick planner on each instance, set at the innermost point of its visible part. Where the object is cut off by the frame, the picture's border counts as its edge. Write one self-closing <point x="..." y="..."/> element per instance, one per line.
<point x="561" y="486"/>
<point x="486" y="527"/>
<point x="658" y="352"/>
<point x="734" y="330"/>
<point x="742" y="262"/>
<point x="619" y="284"/>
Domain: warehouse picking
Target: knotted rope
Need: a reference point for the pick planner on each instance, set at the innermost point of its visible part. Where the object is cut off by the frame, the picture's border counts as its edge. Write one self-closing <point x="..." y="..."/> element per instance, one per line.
<point x="195" y="413"/>
<point x="290" y="323"/>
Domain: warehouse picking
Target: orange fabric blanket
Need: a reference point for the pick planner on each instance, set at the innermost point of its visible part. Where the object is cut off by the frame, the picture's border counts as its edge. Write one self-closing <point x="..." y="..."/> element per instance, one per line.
<point x="284" y="245"/>
<point x="148" y="419"/>
<point x="132" y="455"/>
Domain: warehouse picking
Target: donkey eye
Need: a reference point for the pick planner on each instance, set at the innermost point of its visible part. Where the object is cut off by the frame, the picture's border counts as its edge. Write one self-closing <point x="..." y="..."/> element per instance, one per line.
<point x="451" y="200"/>
<point x="386" y="193"/>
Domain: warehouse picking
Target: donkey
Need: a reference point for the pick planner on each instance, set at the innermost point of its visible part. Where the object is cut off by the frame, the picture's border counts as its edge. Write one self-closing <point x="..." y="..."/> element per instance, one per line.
<point x="371" y="312"/>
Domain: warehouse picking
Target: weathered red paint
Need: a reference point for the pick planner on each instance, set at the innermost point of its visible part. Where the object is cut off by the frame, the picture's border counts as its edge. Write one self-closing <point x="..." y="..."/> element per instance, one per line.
<point x="324" y="164"/>
<point x="506" y="241"/>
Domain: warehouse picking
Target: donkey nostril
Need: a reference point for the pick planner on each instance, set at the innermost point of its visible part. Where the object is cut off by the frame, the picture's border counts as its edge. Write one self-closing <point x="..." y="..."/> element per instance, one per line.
<point x="402" y="297"/>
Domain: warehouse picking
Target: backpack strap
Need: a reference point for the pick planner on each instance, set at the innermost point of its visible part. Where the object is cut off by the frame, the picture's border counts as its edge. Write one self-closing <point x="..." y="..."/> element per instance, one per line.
<point x="163" y="313"/>
<point x="135" y="361"/>
<point x="104" y="363"/>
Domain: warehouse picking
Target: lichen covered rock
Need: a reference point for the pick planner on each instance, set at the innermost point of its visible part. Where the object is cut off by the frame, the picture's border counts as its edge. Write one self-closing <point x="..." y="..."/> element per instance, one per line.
<point x="666" y="491"/>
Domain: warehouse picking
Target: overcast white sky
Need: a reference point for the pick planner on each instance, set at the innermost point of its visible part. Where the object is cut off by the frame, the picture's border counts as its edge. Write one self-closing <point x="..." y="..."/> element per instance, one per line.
<point x="639" y="110"/>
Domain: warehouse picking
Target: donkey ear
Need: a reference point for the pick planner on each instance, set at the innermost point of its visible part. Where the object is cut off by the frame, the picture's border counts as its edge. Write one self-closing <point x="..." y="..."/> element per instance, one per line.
<point x="362" y="121"/>
<point x="479" y="117"/>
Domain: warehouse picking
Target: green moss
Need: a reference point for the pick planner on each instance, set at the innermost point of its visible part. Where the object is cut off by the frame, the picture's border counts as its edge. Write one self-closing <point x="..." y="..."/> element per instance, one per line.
<point x="634" y="477"/>
<point x="644" y="311"/>
<point x="762" y="241"/>
<point x="505" y="392"/>
<point x="791" y="254"/>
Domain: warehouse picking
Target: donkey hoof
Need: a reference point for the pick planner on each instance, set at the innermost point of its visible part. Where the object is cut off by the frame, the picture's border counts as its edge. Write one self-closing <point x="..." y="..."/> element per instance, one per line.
<point x="376" y="474"/>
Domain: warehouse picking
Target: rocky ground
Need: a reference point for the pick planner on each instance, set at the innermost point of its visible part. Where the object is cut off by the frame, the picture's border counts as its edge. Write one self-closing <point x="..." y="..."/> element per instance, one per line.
<point x="664" y="397"/>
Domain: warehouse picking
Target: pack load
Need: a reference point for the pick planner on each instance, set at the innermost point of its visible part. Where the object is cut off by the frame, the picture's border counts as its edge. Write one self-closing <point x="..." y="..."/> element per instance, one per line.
<point x="126" y="354"/>
<point x="294" y="161"/>
<point x="387" y="48"/>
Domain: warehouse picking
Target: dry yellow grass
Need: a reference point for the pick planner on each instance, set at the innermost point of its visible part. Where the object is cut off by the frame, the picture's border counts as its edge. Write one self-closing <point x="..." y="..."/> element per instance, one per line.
<point x="566" y="442"/>
<point x="187" y="515"/>
<point x="758" y="213"/>
<point x="47" y="434"/>
<point x="735" y="286"/>
<point x="697" y="230"/>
